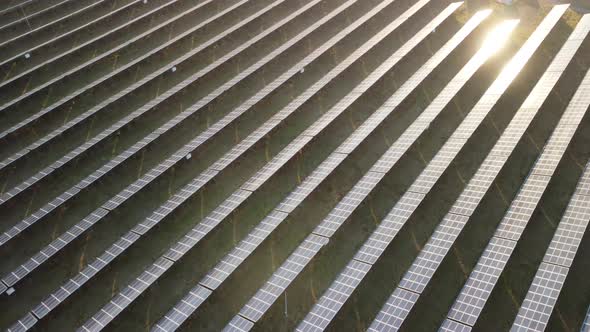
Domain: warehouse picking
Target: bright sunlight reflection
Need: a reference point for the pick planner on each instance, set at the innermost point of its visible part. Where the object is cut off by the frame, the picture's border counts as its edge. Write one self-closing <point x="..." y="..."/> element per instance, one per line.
<point x="497" y="37"/>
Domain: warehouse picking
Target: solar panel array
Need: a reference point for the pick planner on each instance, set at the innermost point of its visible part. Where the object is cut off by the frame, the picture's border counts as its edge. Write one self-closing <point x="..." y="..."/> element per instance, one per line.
<point x="70" y="124"/>
<point x="218" y="215"/>
<point x="473" y="297"/>
<point x="14" y="7"/>
<point x="28" y="70"/>
<point x="263" y="230"/>
<point x="399" y="305"/>
<point x="540" y="300"/>
<point x="424" y="267"/>
<point x="40" y="37"/>
<point x="59" y="19"/>
<point x="23" y="15"/>
<point x="195" y="185"/>
<point x="126" y="120"/>
<point x="345" y="207"/>
<point x="108" y="78"/>
<point x="68" y="33"/>
<point x="192" y="187"/>
<point x="164" y="128"/>
<point x="135" y="187"/>
<point x="481" y="281"/>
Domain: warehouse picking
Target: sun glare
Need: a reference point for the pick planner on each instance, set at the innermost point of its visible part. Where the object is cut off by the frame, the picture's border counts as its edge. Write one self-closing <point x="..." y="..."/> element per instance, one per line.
<point x="497" y="38"/>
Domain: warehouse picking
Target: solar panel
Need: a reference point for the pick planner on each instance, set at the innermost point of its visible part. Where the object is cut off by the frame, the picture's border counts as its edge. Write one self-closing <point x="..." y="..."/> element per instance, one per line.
<point x="452" y="326"/>
<point x="551" y="156"/>
<point x="484" y="277"/>
<point x="23" y="324"/>
<point x="473" y="194"/>
<point x="182" y="311"/>
<point x="522" y="207"/>
<point x="123" y="299"/>
<point x="431" y="256"/>
<point x="25" y="223"/>
<point x="274" y="165"/>
<point x="87" y="114"/>
<point x="542" y="295"/>
<point x="388" y="228"/>
<point x="395" y="310"/>
<point x="348" y="204"/>
<point x="584" y="185"/>
<point x="68" y="33"/>
<point x="569" y="234"/>
<point x="238" y="324"/>
<point x="232" y="260"/>
<point x="15" y="6"/>
<point x="180" y="197"/>
<point x="51" y="249"/>
<point x="30" y="15"/>
<point x="427" y="179"/>
<point x="479" y="286"/>
<point x="49" y="24"/>
<point x="59" y="296"/>
<point x="345" y="207"/>
<point x="172" y="160"/>
<point x="184" y="245"/>
<point x="233" y="115"/>
<point x="287" y="272"/>
<point x="335" y="297"/>
<point x="311" y="182"/>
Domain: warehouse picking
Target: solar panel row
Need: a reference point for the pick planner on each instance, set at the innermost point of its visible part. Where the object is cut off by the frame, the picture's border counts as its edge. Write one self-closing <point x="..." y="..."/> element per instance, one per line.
<point x="484" y="277"/>
<point x="551" y="275"/>
<point x="333" y="299"/>
<point x="153" y="103"/>
<point x="238" y="323"/>
<point x="542" y="295"/>
<point x="91" y="270"/>
<point x="29" y="16"/>
<point x="34" y="217"/>
<point x="279" y="281"/>
<point x="225" y="208"/>
<point x="281" y="79"/>
<point x="24" y="324"/>
<point x="346" y="206"/>
<point x="415" y="280"/>
<point x="19" y="52"/>
<point x="114" y="202"/>
<point x="328" y="305"/>
<point x="26" y="70"/>
<point x="49" y="24"/>
<point x="112" y="75"/>
<point x="13" y="7"/>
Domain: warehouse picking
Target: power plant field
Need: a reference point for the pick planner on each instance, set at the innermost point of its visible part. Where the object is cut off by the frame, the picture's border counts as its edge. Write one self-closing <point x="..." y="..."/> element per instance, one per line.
<point x="282" y="165"/>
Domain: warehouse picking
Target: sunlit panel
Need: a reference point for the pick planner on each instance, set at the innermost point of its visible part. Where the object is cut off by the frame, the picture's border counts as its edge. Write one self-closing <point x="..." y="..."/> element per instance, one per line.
<point x="497" y="37"/>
